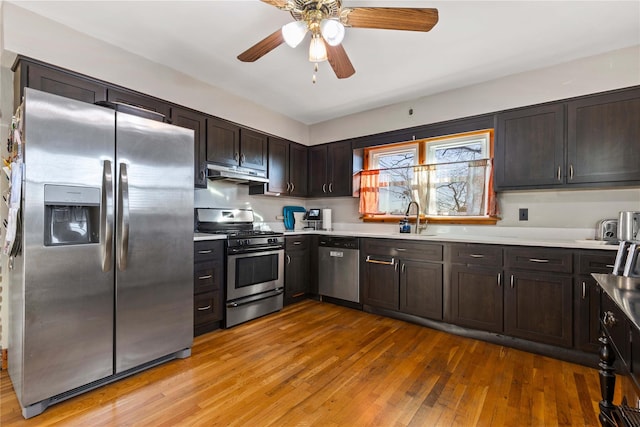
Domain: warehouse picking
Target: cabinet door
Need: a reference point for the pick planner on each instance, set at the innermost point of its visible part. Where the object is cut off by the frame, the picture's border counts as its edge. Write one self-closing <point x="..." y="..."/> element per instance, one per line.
<point x="253" y="150"/>
<point x="63" y="84"/>
<point x="318" y="171"/>
<point x="587" y="321"/>
<point x="380" y="287"/>
<point x="198" y="122"/>
<point x="529" y="148"/>
<point x="340" y="173"/>
<point x="538" y="307"/>
<point x="421" y="289"/>
<point x="139" y="100"/>
<point x="476" y="297"/>
<point x="602" y="138"/>
<point x="223" y="142"/>
<point x="278" y="165"/>
<point x="296" y="275"/>
<point x="298" y="169"/>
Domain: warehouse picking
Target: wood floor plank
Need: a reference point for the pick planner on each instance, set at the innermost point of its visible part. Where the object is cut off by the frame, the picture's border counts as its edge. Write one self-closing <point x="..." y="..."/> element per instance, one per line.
<point x="318" y="364"/>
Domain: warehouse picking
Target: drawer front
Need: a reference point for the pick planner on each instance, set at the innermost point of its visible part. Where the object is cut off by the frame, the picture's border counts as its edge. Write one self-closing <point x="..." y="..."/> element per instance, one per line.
<point x="539" y="259"/>
<point x="596" y="261"/>
<point x="404" y="249"/>
<point x="297" y="243"/>
<point x="207" y="307"/>
<point x="616" y="326"/>
<point x="208" y="249"/>
<point x="207" y="276"/>
<point x="472" y="254"/>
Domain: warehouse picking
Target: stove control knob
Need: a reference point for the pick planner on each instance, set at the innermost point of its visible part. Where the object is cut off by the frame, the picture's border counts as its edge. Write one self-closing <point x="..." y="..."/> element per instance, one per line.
<point x="247" y="242"/>
<point x="240" y="242"/>
<point x="272" y="240"/>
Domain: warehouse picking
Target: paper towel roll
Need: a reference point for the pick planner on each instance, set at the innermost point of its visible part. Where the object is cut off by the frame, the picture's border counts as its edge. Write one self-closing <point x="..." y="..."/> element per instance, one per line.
<point x="326" y="219"/>
<point x="298" y="218"/>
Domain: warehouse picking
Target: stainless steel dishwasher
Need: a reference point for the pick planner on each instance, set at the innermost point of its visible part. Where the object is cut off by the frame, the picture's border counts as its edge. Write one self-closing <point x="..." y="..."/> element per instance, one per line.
<point x="338" y="262"/>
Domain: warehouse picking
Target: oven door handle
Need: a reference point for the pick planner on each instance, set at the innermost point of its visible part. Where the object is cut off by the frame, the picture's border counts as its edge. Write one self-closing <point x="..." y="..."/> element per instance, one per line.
<point x="267" y="295"/>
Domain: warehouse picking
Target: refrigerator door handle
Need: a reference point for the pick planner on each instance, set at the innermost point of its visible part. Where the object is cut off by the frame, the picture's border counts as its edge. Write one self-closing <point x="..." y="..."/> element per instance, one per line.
<point x="122" y="242"/>
<point x="106" y="216"/>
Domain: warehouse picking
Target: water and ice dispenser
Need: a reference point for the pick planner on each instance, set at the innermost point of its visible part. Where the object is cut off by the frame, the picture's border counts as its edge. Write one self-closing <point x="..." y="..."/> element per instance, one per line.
<point x="72" y="215"/>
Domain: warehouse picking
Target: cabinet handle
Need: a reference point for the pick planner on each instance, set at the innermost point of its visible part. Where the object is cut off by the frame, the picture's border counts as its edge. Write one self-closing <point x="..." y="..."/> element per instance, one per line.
<point x="512" y="281"/>
<point x="559" y="173"/>
<point x="236" y="156"/>
<point x="584" y="290"/>
<point x="208" y="276"/>
<point x="331" y="187"/>
<point x="293" y="187"/>
<point x="288" y="260"/>
<point x="205" y="252"/>
<point x="203" y="175"/>
<point x="324" y="188"/>
<point x="297" y="242"/>
<point x="395" y="267"/>
<point x="243" y="158"/>
<point x="499" y="279"/>
<point x="288" y="187"/>
<point x="401" y="249"/>
<point x="570" y="172"/>
<point x="539" y="260"/>
<point x="375" y="261"/>
<point x="403" y="267"/>
<point x="476" y="256"/>
<point x="204" y="308"/>
<point x="609" y="319"/>
<point x="610" y="265"/>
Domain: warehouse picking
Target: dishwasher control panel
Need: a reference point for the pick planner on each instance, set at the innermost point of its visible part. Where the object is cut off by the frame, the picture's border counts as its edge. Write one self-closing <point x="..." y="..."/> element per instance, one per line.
<point x="339" y="242"/>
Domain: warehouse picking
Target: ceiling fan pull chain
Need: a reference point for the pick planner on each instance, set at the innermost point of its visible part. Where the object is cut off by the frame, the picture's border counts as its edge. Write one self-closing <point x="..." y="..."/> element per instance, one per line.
<point x="315" y="70"/>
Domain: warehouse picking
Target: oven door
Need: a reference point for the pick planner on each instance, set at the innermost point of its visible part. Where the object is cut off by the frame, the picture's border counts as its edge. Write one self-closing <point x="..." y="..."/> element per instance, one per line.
<point x="253" y="273"/>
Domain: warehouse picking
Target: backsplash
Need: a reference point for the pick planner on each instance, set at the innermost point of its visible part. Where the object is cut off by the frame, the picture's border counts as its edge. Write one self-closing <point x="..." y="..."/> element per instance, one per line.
<point x="576" y="209"/>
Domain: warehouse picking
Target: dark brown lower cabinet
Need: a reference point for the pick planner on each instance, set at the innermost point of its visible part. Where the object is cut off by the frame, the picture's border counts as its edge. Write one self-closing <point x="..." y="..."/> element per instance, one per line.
<point x="208" y="277"/>
<point x="539" y="307"/>
<point x="587" y="321"/>
<point x="380" y="278"/>
<point x="297" y="269"/>
<point x="421" y="289"/>
<point x="476" y="297"/>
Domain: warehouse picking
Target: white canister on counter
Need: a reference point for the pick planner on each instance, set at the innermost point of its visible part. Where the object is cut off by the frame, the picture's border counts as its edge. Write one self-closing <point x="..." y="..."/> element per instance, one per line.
<point x="298" y="220"/>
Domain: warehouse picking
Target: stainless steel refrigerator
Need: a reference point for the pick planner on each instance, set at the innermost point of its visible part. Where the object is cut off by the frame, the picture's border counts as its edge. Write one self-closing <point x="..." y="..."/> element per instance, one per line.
<point x="103" y="286"/>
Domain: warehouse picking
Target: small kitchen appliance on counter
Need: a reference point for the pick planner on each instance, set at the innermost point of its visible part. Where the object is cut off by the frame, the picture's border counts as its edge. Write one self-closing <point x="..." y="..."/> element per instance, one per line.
<point x="607" y="230"/>
<point x="255" y="263"/>
<point x="628" y="225"/>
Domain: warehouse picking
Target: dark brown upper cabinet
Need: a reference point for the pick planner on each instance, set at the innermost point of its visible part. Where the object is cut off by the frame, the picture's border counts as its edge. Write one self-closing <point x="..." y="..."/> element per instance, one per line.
<point x="287" y="167"/>
<point x="590" y="141"/>
<point x="198" y="122"/>
<point x="57" y="82"/>
<point x="529" y="149"/>
<point x="603" y="138"/>
<point x="229" y="144"/>
<point x="330" y="169"/>
<point x="139" y="100"/>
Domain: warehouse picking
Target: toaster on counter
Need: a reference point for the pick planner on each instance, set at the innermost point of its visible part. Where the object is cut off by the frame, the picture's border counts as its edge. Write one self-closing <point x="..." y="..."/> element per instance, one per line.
<point x="607" y="229"/>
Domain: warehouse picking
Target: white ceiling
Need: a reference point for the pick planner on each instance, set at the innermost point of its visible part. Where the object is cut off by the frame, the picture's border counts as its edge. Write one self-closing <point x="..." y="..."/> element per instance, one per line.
<point x="474" y="41"/>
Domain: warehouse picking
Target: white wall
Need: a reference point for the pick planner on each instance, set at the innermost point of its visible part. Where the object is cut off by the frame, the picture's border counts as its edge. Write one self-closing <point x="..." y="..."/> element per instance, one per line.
<point x="37" y="37"/>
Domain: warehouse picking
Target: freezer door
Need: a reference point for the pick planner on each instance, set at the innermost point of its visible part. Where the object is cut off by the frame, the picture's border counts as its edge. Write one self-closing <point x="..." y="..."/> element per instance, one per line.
<point x="67" y="325"/>
<point x="154" y="240"/>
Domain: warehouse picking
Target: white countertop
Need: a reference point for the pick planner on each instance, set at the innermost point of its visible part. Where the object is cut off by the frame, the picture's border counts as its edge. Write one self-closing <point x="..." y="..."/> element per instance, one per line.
<point x="497" y="237"/>
<point x="470" y="238"/>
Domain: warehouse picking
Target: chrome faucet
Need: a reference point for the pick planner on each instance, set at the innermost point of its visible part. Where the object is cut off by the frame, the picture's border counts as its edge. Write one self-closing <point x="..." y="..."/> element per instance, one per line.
<point x="413" y="202"/>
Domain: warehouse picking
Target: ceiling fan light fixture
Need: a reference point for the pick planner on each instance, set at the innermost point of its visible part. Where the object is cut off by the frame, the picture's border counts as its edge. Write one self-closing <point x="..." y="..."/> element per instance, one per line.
<point x="317" y="49"/>
<point x="332" y="31"/>
<point x="294" y="32"/>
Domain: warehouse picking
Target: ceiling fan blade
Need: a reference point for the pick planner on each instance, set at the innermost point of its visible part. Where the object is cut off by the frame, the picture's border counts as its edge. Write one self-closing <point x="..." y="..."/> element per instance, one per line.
<point x="277" y="3"/>
<point x="390" y="18"/>
<point x="339" y="61"/>
<point x="263" y="47"/>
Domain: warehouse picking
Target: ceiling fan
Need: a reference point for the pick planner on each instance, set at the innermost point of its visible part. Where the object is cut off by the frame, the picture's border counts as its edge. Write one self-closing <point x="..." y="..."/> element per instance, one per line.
<point x="326" y="21"/>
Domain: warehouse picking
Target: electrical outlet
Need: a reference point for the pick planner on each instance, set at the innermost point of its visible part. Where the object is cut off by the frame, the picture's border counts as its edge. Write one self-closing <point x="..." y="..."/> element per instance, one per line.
<point x="523" y="214"/>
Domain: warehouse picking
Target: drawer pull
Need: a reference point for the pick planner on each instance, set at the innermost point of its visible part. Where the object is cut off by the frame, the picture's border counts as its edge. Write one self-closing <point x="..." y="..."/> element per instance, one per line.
<point x="476" y="256"/>
<point x="401" y="249"/>
<point x="297" y="242"/>
<point x="208" y="276"/>
<point x="610" y="265"/>
<point x="375" y="261"/>
<point x="609" y="319"/>
<point x="539" y="260"/>
<point x="205" y="252"/>
<point x="204" y="308"/>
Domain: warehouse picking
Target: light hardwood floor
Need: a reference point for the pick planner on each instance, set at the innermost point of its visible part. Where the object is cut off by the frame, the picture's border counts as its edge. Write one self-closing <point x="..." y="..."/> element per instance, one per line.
<point x="318" y="364"/>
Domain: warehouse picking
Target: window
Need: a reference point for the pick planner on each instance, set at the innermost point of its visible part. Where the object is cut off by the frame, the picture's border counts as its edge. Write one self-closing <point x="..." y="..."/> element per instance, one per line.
<point x="450" y="177"/>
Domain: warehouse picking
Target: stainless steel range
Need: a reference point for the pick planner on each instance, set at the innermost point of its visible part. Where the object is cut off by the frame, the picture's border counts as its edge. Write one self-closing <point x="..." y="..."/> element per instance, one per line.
<point x="255" y="263"/>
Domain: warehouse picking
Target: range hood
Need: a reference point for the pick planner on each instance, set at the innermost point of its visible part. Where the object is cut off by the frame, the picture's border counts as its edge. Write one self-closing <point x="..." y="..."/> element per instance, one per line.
<point x="235" y="174"/>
